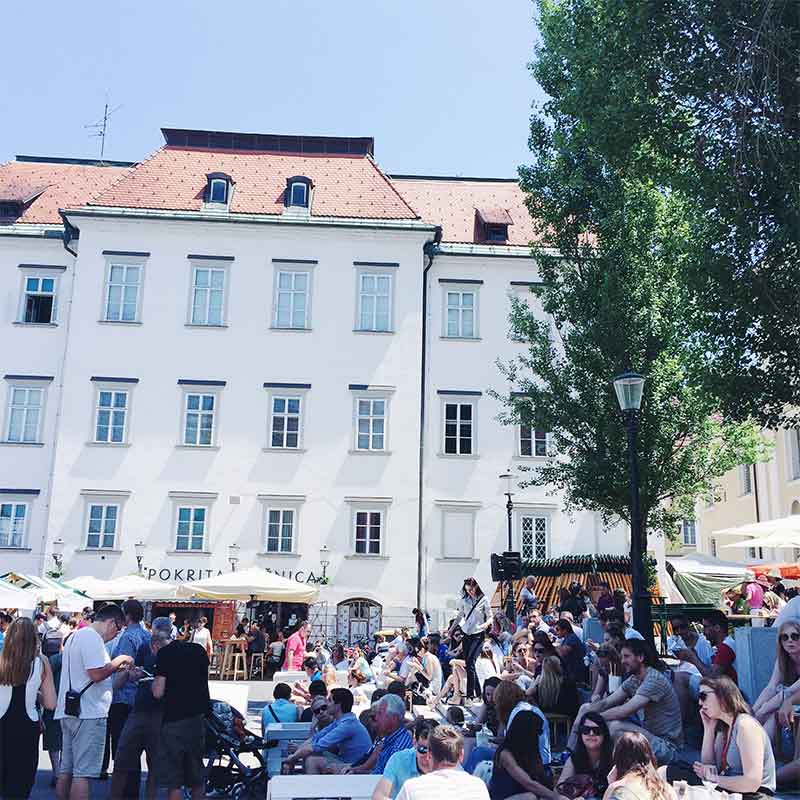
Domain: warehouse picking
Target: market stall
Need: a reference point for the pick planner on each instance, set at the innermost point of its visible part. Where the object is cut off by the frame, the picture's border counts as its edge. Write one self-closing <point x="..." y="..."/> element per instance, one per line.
<point x="250" y="584"/>
<point x="702" y="578"/>
<point x="49" y="591"/>
<point x="122" y="588"/>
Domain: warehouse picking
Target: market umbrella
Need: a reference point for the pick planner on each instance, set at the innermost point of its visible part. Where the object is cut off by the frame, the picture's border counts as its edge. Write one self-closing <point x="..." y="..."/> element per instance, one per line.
<point x="123" y="587"/>
<point x="786" y="525"/>
<point x="254" y="583"/>
<point x="779" y="539"/>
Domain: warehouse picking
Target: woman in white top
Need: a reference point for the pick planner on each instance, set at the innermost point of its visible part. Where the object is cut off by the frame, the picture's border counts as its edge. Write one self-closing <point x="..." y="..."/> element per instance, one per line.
<point x="475" y="617"/>
<point x="24" y="675"/>
<point x="485" y="666"/>
<point x="202" y="636"/>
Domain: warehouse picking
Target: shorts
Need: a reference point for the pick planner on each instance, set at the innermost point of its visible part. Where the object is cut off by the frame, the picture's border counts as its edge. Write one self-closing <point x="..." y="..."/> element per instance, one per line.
<point x="663" y="750"/>
<point x="141" y="733"/>
<point x="182" y="746"/>
<point x="82" y="747"/>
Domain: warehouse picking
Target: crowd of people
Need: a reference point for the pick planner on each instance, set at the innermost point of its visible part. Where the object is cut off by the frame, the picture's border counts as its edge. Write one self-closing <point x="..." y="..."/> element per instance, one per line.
<point x="107" y="685"/>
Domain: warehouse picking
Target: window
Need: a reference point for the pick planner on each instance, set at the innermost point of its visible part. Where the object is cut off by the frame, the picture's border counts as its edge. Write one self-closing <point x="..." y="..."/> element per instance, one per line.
<point x="292" y="299"/>
<point x="198" y="427"/>
<point x="713" y="546"/>
<point x="101" y="529"/>
<point x="458" y="428"/>
<point x="534" y="536"/>
<point x="689" y="533"/>
<point x="497" y="233"/>
<point x="369" y="525"/>
<point x="532" y="442"/>
<point x="458" y="530"/>
<point x="298" y="195"/>
<point x="755" y="553"/>
<point x="12" y="524"/>
<point x="24" y="413"/>
<point x="40" y="300"/>
<point x="208" y="295"/>
<point x="794" y="453"/>
<point x="370" y="424"/>
<point x="745" y="479"/>
<point x="374" y="301"/>
<point x="111" y="416"/>
<point x="218" y="191"/>
<point x="461" y="314"/>
<point x="280" y="530"/>
<point x="191" y="528"/>
<point x="122" y="294"/>
<point x="285" y="423"/>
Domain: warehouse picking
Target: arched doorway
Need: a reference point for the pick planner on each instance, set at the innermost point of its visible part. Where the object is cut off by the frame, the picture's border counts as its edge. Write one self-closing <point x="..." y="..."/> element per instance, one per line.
<point x="795" y="508"/>
<point x="357" y="620"/>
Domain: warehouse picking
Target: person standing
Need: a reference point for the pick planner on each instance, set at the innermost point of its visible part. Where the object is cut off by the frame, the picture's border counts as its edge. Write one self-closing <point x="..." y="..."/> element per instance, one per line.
<point x="475" y="617"/>
<point x="87" y="669"/>
<point x="527" y="601"/>
<point x="24" y="673"/>
<point x="296" y="648"/>
<point x="181" y="681"/>
<point x="132" y="639"/>
<point x="202" y="636"/>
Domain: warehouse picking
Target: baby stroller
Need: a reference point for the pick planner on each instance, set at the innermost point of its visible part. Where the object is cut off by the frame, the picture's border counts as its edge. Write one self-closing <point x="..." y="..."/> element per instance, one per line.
<point x="235" y="765"/>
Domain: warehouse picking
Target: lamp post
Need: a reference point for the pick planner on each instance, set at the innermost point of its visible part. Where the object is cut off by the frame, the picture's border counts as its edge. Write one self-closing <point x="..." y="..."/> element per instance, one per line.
<point x="233" y="556"/>
<point x="139" y="548"/>
<point x="508" y="477"/>
<point x="58" y="553"/>
<point x="629" y="388"/>
<point x="324" y="560"/>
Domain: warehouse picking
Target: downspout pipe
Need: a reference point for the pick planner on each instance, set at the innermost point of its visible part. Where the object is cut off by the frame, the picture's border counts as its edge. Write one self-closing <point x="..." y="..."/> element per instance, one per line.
<point x="429" y="250"/>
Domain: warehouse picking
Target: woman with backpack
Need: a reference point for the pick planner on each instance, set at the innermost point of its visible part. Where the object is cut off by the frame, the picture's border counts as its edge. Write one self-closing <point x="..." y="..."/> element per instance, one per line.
<point x="25" y="676"/>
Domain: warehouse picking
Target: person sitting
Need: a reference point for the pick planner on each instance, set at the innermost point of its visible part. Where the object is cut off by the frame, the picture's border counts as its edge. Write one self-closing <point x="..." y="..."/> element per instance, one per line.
<point x="313" y="672"/>
<point x="320" y="713"/>
<point x="406" y="764"/>
<point x="509" y="700"/>
<point x="553" y="691"/>
<point x="787" y="680"/>
<point x="389" y="715"/>
<point x="606" y="598"/>
<point x="485" y="666"/>
<point x="633" y="775"/>
<point x="484" y="714"/>
<point x="256" y="640"/>
<point x="687" y="677"/>
<point x="456" y="682"/>
<point x="315" y="689"/>
<point x="240" y="635"/>
<point x="733" y="741"/>
<point x="789" y="774"/>
<point x="281" y="709"/>
<point x="572" y="651"/>
<point x="715" y="627"/>
<point x="426" y="671"/>
<point x="342" y="743"/>
<point x="518" y="768"/>
<point x="360" y="670"/>
<point x="576" y="629"/>
<point x="645" y="690"/>
<point x="588" y="766"/>
<point x="606" y="664"/>
<point x="338" y="657"/>
<point x="573" y="602"/>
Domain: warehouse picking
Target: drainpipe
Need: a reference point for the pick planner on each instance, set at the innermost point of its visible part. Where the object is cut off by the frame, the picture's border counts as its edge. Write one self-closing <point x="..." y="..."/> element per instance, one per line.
<point x="758" y="508"/>
<point x="429" y="249"/>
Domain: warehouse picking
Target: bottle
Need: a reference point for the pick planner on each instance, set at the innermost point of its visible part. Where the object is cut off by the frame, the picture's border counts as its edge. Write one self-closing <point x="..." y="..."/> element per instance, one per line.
<point x="482" y="736"/>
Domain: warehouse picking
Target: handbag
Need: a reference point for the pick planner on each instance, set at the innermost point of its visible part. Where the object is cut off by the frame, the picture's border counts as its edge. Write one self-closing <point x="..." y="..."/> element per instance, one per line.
<point x="577" y="786"/>
<point x="72" y="699"/>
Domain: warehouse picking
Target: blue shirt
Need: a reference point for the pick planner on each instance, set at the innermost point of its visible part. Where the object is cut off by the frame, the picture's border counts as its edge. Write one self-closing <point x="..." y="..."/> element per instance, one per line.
<point x="285" y="711"/>
<point x="400" y="767"/>
<point x="393" y="743"/>
<point x="346" y="737"/>
<point x="130" y="641"/>
<point x="2" y="640"/>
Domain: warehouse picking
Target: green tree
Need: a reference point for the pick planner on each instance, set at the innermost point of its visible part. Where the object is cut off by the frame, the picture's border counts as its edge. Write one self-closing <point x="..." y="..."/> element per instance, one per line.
<point x="703" y="99"/>
<point x="611" y="254"/>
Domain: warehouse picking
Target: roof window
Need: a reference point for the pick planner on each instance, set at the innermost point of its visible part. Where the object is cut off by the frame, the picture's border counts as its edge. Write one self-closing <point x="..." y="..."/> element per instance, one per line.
<point x="491" y="224"/>
<point x="218" y="189"/>
<point x="497" y="233"/>
<point x="298" y="191"/>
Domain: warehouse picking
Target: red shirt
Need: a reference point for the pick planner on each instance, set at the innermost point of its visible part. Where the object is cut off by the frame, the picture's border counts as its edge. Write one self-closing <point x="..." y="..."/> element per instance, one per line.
<point x="724" y="658"/>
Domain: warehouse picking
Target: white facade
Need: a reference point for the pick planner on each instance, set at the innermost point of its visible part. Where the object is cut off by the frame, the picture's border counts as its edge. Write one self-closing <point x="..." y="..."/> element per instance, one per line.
<point x="182" y="413"/>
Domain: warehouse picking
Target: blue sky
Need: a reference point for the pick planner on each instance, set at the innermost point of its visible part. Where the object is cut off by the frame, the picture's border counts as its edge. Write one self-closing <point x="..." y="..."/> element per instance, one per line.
<point x="442" y="85"/>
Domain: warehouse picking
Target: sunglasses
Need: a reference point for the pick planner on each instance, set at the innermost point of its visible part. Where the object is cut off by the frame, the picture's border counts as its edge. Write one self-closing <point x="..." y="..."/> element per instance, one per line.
<point x="590" y="730"/>
<point x="422" y="749"/>
<point x="793" y="636"/>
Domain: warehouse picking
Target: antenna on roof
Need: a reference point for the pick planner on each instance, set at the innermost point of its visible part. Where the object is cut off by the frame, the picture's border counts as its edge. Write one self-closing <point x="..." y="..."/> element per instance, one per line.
<point x="102" y="128"/>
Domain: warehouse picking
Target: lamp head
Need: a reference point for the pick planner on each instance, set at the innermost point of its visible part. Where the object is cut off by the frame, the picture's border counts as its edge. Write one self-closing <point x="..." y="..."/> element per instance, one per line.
<point x="139" y="548"/>
<point x="324" y="555"/>
<point x="629" y="388"/>
<point x="233" y="553"/>
<point x="58" y="546"/>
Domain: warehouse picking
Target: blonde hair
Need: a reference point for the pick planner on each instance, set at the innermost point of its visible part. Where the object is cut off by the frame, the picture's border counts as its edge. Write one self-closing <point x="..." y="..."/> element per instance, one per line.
<point x="506" y="696"/>
<point x="548" y="685"/>
<point x="20" y="648"/>
<point x="789" y="673"/>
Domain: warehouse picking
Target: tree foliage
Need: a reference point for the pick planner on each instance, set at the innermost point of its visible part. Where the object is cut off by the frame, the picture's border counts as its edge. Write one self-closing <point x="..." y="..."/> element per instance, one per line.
<point x="615" y="246"/>
<point x="704" y="100"/>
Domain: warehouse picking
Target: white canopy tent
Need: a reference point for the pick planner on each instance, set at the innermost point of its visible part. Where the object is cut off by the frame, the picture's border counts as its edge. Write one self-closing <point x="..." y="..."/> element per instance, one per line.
<point x="12" y="597"/>
<point x="254" y="583"/>
<point x="49" y="591"/>
<point x="121" y="588"/>
<point x="781" y="539"/>
<point x="787" y="526"/>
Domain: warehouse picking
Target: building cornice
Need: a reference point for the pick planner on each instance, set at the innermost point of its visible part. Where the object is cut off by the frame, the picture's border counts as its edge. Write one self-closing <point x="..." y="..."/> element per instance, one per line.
<point x="488" y="250"/>
<point x="29" y="231"/>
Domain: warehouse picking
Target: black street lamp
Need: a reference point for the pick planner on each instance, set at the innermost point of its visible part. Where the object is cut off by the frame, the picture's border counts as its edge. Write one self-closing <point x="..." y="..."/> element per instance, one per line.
<point x="508" y="477"/>
<point x="629" y="387"/>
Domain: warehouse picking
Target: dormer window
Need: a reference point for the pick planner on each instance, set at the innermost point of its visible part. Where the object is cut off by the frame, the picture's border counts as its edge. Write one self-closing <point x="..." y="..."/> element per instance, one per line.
<point x="298" y="192"/>
<point x="497" y="233"/>
<point x="491" y="224"/>
<point x="219" y="189"/>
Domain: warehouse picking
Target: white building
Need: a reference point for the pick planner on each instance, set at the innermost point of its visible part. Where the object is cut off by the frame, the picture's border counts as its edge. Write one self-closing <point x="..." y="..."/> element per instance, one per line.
<point x="237" y="354"/>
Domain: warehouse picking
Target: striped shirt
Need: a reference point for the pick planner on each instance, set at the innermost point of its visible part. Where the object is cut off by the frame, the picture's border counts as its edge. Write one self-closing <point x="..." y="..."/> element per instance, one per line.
<point x="399" y="740"/>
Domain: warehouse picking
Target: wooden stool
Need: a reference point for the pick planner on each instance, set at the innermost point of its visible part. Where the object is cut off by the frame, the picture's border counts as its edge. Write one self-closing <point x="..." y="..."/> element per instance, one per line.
<point x="237" y="666"/>
<point x="257" y="665"/>
<point x="215" y="666"/>
<point x="558" y="722"/>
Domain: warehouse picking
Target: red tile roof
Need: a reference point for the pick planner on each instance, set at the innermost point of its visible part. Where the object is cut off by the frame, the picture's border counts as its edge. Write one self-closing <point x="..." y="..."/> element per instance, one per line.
<point x="62" y="185"/>
<point x="453" y="203"/>
<point x="174" y="178"/>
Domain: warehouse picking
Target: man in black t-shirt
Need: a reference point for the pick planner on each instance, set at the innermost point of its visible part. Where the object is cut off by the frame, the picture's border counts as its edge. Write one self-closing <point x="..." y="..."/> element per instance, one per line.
<point x="182" y="681"/>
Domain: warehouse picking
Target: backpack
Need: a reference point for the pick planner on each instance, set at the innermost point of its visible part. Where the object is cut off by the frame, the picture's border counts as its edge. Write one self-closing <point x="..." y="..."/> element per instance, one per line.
<point x="51" y="642"/>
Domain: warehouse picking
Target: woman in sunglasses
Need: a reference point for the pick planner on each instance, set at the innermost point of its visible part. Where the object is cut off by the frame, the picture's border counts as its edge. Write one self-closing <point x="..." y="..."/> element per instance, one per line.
<point x="785" y="679"/>
<point x="733" y="742"/>
<point x="590" y="762"/>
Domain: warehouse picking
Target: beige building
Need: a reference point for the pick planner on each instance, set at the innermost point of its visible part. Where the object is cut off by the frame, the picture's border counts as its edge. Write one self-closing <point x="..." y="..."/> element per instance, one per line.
<point x="749" y="493"/>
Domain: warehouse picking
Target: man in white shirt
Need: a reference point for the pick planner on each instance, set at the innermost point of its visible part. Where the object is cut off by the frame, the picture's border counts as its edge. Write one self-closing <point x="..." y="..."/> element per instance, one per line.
<point x="445" y="781"/>
<point x="87" y="669"/>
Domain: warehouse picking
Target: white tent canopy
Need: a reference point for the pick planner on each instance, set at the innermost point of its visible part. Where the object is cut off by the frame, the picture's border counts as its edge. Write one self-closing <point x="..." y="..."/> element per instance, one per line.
<point x="48" y="591"/>
<point x="779" y="539"/>
<point x="121" y="588"/>
<point x="702" y="564"/>
<point x="786" y="525"/>
<point x="12" y="597"/>
<point x="254" y="583"/>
